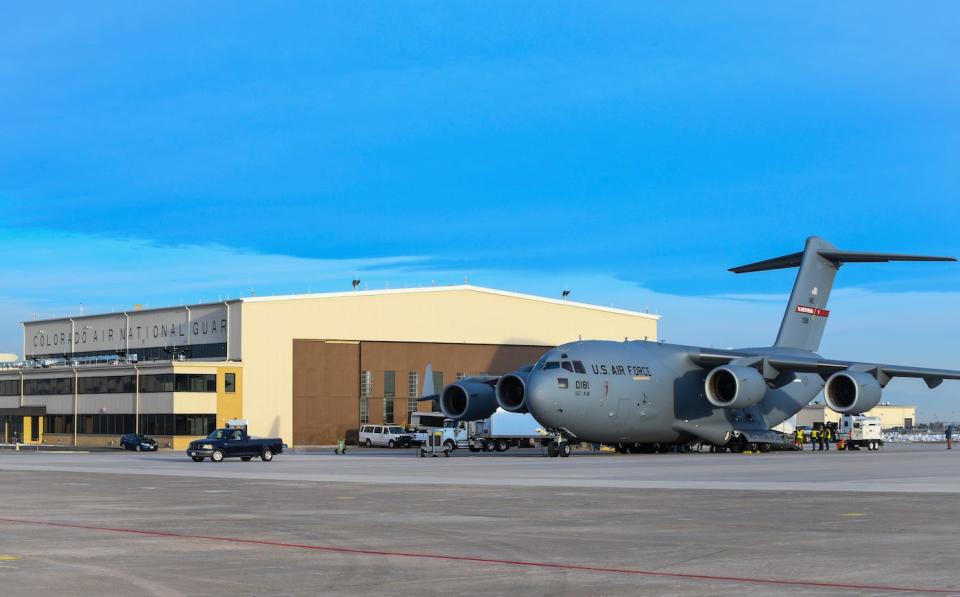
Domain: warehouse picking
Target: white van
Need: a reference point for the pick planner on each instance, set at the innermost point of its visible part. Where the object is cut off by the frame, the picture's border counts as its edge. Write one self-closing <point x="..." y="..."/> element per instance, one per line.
<point x="391" y="436"/>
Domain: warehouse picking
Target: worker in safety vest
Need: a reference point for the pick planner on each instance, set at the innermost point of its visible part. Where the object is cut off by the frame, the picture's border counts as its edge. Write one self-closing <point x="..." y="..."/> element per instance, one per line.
<point x="814" y="438"/>
<point x="826" y="434"/>
<point x="799" y="439"/>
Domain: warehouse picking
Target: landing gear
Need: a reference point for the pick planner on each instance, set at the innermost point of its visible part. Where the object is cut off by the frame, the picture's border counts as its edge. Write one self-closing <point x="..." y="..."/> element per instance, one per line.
<point x="561" y="448"/>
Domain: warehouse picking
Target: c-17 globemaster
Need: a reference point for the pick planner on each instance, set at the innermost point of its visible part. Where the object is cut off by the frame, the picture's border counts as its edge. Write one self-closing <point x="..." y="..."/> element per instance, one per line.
<point x="638" y="394"/>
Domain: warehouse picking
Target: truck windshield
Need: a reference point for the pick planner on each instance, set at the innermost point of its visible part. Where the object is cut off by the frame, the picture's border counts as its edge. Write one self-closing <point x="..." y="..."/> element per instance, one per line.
<point x="395" y="430"/>
<point x="219" y="434"/>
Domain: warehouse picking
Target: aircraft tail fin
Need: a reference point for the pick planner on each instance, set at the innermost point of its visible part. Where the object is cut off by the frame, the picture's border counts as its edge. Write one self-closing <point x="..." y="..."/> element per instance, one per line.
<point x="428" y="389"/>
<point x="806" y="314"/>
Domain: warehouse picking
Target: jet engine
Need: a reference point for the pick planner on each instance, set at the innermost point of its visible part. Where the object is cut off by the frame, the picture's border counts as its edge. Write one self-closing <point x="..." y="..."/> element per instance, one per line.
<point x="512" y="392"/>
<point x="851" y="392"/>
<point x="733" y="386"/>
<point x="468" y="401"/>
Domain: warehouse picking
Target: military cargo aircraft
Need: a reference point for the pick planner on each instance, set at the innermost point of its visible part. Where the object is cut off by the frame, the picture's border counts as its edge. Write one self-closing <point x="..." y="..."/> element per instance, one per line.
<point x="640" y="394"/>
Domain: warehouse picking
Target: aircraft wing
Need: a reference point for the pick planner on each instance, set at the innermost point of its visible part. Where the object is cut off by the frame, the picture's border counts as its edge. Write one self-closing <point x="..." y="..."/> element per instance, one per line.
<point x="773" y="366"/>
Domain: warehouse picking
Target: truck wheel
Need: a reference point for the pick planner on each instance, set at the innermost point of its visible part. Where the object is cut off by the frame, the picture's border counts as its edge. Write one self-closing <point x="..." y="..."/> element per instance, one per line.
<point x="565" y="449"/>
<point x="488" y="446"/>
<point x="267" y="455"/>
<point x="391" y="444"/>
<point x="367" y="443"/>
<point x="246" y="458"/>
<point x="450" y="445"/>
<point x="501" y="445"/>
<point x="197" y="458"/>
<point x="136" y="448"/>
<point x="217" y="456"/>
<point x="473" y="448"/>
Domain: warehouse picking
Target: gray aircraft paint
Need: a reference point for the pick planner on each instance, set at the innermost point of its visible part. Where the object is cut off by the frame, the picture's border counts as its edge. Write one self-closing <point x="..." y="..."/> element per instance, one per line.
<point x="652" y="392"/>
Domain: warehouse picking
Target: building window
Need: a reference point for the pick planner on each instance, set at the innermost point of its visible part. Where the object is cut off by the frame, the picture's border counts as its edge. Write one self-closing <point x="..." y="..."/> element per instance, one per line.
<point x="48" y="387"/>
<point x="181" y="382"/>
<point x="58" y="424"/>
<point x="230" y="382"/>
<point x="389" y="391"/>
<point x="413" y="392"/>
<point x="178" y="424"/>
<point x="460" y="375"/>
<point x="111" y="384"/>
<point x="194" y="424"/>
<point x="366" y="388"/>
<point x="10" y="387"/>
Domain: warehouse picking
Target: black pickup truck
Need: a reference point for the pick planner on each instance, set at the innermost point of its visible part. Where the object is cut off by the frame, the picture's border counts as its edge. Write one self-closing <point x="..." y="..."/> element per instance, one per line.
<point x="234" y="443"/>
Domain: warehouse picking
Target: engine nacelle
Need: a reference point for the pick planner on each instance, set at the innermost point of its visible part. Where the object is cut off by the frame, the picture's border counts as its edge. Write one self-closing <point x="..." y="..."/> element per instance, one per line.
<point x="733" y="386"/>
<point x="851" y="392"/>
<point x="468" y="401"/>
<point x="512" y="392"/>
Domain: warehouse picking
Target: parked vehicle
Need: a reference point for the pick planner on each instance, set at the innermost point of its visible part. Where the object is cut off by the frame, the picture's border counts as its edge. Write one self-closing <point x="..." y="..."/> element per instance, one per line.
<point x="234" y="443"/>
<point x="505" y="430"/>
<point x="391" y="436"/>
<point x="454" y="434"/>
<point x="138" y="442"/>
<point x="859" y="431"/>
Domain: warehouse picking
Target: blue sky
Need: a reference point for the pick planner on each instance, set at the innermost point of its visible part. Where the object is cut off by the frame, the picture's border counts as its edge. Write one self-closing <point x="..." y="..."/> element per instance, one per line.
<point x="629" y="151"/>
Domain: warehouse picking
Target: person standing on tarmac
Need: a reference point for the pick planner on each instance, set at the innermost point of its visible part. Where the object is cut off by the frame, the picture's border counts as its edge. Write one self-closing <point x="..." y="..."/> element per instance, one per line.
<point x="826" y="436"/>
<point x="814" y="438"/>
<point x="799" y="439"/>
<point x="949" y="434"/>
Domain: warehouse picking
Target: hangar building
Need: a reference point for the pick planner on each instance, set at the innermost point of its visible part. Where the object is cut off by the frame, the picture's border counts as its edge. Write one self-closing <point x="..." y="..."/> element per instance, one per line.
<point x="306" y="368"/>
<point x="891" y="415"/>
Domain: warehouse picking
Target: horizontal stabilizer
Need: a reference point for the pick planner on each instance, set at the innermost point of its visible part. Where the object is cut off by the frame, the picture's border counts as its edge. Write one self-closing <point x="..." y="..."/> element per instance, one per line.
<point x="837" y="257"/>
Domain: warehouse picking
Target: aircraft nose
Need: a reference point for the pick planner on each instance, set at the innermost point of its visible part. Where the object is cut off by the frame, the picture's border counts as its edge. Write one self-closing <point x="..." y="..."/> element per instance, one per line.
<point x="539" y="397"/>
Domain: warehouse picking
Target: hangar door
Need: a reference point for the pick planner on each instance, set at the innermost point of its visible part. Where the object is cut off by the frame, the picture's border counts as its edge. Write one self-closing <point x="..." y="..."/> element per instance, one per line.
<point x="326" y="386"/>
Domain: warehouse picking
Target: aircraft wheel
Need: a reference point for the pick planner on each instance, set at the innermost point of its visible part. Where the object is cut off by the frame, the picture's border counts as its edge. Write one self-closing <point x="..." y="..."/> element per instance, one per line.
<point x="553" y="449"/>
<point x="565" y="450"/>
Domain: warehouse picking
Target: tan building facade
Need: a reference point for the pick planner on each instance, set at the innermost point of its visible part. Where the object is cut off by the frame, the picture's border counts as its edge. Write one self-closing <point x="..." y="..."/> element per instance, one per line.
<point x="306" y="368"/>
<point x="891" y="415"/>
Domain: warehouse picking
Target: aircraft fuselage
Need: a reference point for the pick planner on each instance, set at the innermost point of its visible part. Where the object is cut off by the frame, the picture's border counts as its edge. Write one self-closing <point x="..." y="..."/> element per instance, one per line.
<point x="647" y="392"/>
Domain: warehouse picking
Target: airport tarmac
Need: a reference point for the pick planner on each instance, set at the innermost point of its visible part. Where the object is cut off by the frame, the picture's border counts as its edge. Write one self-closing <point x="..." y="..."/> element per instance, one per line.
<point x="382" y="521"/>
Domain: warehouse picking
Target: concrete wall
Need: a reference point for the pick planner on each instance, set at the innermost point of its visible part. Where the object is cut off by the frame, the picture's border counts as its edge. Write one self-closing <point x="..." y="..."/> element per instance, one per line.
<point x="445" y="315"/>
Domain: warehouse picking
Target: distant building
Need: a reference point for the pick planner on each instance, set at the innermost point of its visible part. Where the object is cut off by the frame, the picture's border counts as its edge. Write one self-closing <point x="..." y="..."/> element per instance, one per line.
<point x="6" y="357"/>
<point x="307" y="368"/>
<point x="891" y="415"/>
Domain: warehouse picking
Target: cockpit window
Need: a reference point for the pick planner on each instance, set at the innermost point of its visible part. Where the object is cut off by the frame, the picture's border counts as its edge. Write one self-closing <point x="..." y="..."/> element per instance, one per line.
<point x="552" y="365"/>
<point x="566" y="365"/>
<point x="578" y="367"/>
<point x="541" y="361"/>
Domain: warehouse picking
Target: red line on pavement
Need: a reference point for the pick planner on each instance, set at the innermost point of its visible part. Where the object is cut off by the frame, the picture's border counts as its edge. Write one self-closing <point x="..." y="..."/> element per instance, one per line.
<point x="479" y="560"/>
